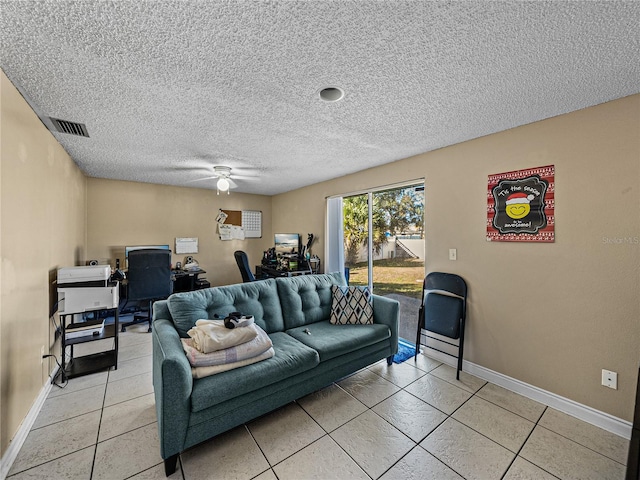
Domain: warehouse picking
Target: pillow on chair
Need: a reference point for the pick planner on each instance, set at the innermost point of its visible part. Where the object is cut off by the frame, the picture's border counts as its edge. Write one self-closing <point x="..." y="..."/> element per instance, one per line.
<point x="351" y="305"/>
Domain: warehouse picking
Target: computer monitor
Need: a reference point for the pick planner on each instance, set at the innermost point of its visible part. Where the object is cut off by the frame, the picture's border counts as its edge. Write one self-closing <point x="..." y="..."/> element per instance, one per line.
<point x="141" y="247"/>
<point x="287" y="243"/>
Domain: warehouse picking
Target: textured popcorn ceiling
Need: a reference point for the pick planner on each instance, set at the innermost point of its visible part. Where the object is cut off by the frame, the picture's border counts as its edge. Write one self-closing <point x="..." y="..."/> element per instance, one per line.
<point x="167" y="89"/>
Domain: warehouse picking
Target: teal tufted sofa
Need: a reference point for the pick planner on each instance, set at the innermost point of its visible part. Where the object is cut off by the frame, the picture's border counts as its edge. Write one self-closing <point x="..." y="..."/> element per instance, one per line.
<point x="191" y="410"/>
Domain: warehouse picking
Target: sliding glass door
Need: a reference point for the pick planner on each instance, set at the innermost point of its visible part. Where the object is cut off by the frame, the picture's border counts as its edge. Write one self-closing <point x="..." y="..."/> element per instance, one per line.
<point x="384" y="240"/>
<point x="383" y="245"/>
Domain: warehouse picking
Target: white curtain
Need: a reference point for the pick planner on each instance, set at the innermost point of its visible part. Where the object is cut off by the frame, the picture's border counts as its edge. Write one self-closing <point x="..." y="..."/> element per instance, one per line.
<point x="334" y="240"/>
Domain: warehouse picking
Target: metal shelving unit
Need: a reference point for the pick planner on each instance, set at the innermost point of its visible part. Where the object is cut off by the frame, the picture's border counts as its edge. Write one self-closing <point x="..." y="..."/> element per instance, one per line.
<point x="95" y="362"/>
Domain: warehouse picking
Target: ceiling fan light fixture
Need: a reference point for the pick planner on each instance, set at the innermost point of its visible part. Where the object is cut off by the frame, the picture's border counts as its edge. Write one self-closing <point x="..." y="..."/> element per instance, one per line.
<point x="223" y="184"/>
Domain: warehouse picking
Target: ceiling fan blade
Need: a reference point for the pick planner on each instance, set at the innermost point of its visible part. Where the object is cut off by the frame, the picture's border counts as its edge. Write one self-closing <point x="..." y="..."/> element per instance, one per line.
<point x="189" y="168"/>
<point x="201" y="179"/>
<point x="232" y="184"/>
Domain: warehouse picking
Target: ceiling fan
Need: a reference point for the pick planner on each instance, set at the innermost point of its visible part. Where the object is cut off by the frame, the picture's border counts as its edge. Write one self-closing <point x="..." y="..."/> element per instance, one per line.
<point x="224" y="183"/>
<point x="223" y="174"/>
<point x="205" y="164"/>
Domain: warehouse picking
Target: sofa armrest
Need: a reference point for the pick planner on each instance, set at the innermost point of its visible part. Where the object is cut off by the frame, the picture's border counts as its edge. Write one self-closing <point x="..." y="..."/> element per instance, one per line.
<point x="387" y="311"/>
<point x="172" y="386"/>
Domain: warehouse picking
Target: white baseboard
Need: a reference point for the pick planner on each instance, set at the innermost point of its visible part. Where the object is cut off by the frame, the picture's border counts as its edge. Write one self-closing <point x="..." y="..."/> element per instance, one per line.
<point x="25" y="427"/>
<point x="570" y="407"/>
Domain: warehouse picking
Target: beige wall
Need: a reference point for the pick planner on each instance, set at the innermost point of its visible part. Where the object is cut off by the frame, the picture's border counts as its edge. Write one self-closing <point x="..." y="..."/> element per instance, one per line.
<point x="43" y="197"/>
<point x="127" y="213"/>
<point x="551" y="315"/>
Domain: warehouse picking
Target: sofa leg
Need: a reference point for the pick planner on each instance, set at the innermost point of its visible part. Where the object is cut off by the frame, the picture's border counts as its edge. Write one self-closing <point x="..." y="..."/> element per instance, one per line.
<point x="390" y="360"/>
<point x="170" y="464"/>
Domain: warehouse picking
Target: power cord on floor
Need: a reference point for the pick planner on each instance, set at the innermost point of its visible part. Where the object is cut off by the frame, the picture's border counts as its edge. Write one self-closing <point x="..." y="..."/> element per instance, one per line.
<point x="60" y="372"/>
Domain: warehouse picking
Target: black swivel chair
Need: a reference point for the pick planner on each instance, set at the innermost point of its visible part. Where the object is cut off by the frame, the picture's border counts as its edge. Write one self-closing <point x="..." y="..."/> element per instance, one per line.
<point x="148" y="280"/>
<point x="243" y="265"/>
<point x="443" y="312"/>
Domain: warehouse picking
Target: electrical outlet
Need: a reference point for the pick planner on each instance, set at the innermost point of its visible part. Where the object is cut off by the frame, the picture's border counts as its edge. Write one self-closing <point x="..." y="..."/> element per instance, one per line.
<point x="41" y="354"/>
<point x="610" y="379"/>
<point x="453" y="254"/>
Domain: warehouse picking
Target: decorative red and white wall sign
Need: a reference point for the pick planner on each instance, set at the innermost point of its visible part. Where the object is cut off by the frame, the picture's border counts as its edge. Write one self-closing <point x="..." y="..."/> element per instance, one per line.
<point x="520" y="206"/>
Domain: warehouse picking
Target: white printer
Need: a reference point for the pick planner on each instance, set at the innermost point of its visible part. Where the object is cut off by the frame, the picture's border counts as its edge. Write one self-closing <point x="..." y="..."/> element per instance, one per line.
<point x="81" y="289"/>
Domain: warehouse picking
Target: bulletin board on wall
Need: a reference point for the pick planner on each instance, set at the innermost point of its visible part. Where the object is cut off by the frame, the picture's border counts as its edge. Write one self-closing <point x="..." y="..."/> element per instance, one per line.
<point x="239" y="224"/>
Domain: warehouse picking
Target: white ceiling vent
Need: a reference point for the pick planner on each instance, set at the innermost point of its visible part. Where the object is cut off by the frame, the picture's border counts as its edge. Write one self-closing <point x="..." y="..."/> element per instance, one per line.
<point x="64" y="126"/>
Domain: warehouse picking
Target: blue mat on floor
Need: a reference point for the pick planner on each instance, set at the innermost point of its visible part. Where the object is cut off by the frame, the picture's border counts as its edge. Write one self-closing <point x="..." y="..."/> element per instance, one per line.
<point x="406" y="350"/>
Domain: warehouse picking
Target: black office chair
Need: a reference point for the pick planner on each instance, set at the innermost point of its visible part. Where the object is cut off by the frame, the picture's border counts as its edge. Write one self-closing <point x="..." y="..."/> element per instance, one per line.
<point x="148" y="280"/>
<point x="243" y="264"/>
<point x="443" y="312"/>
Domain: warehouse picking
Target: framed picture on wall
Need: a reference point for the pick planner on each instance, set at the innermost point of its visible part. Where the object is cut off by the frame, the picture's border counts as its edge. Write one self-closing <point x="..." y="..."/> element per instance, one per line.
<point x="520" y="206"/>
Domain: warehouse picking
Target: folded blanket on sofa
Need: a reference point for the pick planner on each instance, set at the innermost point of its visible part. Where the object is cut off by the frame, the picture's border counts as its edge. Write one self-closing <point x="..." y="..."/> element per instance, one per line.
<point x="243" y="351"/>
<point x="200" y="372"/>
<point x="211" y="335"/>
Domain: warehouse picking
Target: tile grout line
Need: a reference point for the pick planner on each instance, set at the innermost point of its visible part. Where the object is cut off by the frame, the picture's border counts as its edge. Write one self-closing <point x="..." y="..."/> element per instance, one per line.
<point x="123" y="433"/>
<point x="450" y="416"/>
<point x="580" y="444"/>
<point x="328" y="434"/>
<point x="490" y="439"/>
<point x="66" y="454"/>
<point x="340" y="446"/>
<point x="511" y="411"/>
<point x="48" y="461"/>
<point x="402" y="389"/>
<point x="95" y="448"/>
<point x="474" y="394"/>
<point x="64" y="420"/>
<point x="101" y="409"/>
<point x="417" y="445"/>
<point x="246" y="426"/>
<point x="522" y="446"/>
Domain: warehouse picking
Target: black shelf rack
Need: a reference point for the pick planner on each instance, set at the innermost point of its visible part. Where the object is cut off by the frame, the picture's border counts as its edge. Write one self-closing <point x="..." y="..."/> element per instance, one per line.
<point x="77" y="366"/>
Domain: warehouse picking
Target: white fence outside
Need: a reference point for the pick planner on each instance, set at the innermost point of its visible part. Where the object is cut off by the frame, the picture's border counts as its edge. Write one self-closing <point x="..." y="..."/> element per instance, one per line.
<point x="392" y="250"/>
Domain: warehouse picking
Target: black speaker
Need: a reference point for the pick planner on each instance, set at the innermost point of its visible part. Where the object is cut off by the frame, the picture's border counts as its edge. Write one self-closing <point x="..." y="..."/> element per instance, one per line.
<point x="93" y="263"/>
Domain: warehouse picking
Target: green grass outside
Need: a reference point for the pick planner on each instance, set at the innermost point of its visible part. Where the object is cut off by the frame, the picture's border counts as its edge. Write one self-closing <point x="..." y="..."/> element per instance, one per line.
<point x="403" y="276"/>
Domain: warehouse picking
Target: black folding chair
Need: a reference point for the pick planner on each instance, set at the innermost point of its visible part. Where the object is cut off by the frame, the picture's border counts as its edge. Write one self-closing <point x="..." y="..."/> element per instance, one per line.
<point x="443" y="312"/>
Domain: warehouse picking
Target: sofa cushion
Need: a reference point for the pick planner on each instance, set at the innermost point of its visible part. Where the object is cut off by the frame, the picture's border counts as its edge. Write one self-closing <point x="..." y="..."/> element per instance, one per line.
<point x="259" y="299"/>
<point x="306" y="299"/>
<point x="291" y="358"/>
<point x="334" y="340"/>
<point x="351" y="305"/>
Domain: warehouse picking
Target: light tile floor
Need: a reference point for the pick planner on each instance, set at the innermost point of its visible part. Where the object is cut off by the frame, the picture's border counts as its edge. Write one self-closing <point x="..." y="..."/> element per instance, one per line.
<point x="406" y="421"/>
